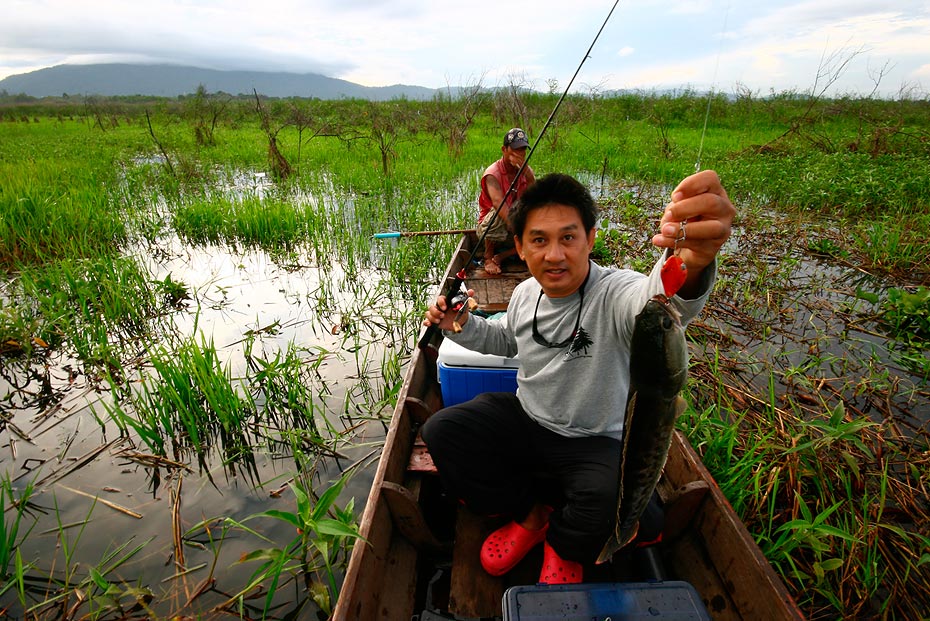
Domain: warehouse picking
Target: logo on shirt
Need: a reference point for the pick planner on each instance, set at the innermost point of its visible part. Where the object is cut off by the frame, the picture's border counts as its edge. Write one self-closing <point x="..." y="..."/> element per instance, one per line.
<point x="579" y="346"/>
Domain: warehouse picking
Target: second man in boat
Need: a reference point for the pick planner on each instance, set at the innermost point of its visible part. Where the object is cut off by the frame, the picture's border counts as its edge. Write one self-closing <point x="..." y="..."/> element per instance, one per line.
<point x="495" y="192"/>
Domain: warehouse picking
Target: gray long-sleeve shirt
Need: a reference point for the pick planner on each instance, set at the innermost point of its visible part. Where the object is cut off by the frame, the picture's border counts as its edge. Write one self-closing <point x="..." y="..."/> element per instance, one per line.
<point x="580" y="389"/>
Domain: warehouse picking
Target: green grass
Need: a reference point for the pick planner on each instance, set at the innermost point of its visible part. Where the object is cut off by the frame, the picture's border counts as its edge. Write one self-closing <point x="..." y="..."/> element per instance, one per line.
<point x="12" y="567"/>
<point x="822" y="488"/>
<point x="188" y="401"/>
<point x="813" y="483"/>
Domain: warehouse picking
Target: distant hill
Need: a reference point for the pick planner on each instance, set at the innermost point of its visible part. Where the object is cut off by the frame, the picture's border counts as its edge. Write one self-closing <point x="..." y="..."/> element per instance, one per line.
<point x="174" y="80"/>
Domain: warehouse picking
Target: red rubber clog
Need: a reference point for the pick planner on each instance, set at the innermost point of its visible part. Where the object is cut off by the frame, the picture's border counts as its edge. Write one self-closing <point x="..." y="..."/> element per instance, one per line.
<point x="507" y="546"/>
<point x="556" y="570"/>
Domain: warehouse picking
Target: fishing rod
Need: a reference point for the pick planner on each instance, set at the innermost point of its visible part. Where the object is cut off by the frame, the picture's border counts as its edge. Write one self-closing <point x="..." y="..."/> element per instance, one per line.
<point x="457" y="282"/>
<point x="396" y="234"/>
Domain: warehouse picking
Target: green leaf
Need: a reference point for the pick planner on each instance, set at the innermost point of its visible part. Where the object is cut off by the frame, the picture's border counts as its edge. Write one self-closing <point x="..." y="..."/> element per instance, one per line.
<point x="326" y="499"/>
<point x="20" y="585"/>
<point x="99" y="580"/>
<point x="868" y="296"/>
<point x="852" y="463"/>
<point x="818" y="572"/>
<point x="823" y="515"/>
<point x="285" y="516"/>
<point x="320" y="595"/>
<point x="336" y="529"/>
<point x="836" y="532"/>
<point x="900" y="532"/>
<point x="805" y="511"/>
<point x="303" y="501"/>
<point x="832" y="564"/>
<point x="268" y="554"/>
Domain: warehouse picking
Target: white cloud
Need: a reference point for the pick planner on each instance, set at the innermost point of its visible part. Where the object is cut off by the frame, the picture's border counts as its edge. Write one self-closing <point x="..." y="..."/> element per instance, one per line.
<point x="647" y="43"/>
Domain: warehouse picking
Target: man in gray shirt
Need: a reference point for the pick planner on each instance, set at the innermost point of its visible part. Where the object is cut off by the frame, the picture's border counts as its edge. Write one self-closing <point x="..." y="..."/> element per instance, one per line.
<point x="570" y="327"/>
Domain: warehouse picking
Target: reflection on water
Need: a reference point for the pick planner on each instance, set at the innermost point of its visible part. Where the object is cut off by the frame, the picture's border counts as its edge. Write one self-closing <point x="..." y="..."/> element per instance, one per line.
<point x="350" y="324"/>
<point x="239" y="300"/>
<point x="337" y="312"/>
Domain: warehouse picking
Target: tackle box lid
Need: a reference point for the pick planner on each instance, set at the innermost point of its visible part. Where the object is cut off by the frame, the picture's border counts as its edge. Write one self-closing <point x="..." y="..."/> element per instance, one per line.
<point x="628" y="601"/>
<point x="451" y="354"/>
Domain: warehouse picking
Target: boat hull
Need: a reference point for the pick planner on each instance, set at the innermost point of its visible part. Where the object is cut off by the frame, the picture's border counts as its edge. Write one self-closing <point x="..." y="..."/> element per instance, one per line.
<point x="392" y="572"/>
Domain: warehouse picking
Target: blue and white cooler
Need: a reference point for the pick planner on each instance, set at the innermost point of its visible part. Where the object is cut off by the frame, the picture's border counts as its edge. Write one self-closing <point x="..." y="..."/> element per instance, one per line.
<point x="464" y="374"/>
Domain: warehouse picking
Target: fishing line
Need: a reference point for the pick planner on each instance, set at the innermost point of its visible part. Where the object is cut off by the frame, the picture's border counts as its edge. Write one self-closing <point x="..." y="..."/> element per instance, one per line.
<point x="516" y="178"/>
<point x="459" y="279"/>
<point x="710" y="96"/>
<point x="674" y="272"/>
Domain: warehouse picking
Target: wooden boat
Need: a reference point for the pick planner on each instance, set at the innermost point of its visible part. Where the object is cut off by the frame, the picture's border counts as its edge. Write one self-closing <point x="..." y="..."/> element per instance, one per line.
<point x="420" y="561"/>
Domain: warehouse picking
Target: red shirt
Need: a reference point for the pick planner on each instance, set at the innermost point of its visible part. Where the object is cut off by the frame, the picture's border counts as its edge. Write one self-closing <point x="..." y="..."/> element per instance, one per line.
<point x="504" y="175"/>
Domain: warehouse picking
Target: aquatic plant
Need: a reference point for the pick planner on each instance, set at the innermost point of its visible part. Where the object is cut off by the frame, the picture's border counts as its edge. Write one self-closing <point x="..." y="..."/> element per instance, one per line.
<point x="100" y="213"/>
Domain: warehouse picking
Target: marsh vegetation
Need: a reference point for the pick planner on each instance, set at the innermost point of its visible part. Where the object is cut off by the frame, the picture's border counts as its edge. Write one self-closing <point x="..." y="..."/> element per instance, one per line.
<point x="200" y="339"/>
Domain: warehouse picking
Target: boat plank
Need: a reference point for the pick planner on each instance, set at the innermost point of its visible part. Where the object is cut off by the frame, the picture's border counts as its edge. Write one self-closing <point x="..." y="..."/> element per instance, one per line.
<point x="407" y="515"/>
<point x="400" y="582"/>
<point x="680" y="505"/>
<point x="691" y="565"/>
<point x="480" y="287"/>
<point x="418" y="409"/>
<point x="473" y="593"/>
<point x="360" y="596"/>
<point x="758" y="592"/>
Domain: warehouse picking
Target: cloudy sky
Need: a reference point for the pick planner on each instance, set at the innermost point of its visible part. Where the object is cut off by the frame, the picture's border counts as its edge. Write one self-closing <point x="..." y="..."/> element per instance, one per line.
<point x="721" y="44"/>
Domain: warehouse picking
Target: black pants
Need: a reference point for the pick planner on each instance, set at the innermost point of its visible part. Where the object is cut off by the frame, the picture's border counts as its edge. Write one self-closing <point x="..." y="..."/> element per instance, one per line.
<point x="496" y="459"/>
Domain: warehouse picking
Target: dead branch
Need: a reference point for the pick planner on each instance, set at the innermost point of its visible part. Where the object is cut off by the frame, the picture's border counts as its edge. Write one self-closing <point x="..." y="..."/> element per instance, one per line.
<point x="158" y="144"/>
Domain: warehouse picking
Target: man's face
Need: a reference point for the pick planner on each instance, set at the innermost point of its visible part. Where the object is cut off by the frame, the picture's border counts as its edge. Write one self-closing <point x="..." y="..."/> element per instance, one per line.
<point x="514" y="157"/>
<point x="556" y="248"/>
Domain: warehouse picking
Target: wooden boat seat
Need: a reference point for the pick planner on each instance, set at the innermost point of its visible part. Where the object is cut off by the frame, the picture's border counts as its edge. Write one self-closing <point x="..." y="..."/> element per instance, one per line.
<point x="404" y="504"/>
<point x="680" y="505"/>
<point x="420" y="460"/>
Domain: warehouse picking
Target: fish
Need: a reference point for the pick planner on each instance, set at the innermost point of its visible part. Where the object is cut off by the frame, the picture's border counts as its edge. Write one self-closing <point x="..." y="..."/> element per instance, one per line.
<point x="658" y="372"/>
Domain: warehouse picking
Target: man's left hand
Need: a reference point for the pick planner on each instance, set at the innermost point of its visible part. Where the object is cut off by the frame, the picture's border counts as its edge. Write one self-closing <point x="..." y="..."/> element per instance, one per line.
<point x="702" y="203"/>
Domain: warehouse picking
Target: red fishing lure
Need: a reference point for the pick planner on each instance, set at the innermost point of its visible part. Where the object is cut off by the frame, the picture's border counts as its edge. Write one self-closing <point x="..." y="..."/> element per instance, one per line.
<point x="674" y="271"/>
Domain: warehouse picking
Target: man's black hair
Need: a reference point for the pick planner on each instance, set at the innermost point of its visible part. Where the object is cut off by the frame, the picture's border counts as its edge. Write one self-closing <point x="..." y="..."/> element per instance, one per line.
<point x="554" y="188"/>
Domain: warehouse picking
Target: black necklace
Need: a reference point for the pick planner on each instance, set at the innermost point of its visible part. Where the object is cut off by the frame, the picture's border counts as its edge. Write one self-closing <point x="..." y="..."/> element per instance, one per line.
<point x="539" y="337"/>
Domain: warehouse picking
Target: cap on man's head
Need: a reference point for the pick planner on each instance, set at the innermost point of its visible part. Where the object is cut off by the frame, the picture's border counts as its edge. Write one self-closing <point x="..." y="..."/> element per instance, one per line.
<point x="516" y="139"/>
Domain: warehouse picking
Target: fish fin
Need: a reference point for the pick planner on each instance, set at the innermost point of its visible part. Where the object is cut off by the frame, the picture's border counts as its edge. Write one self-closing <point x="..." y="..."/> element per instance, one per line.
<point x="630" y="407"/>
<point x="628" y="419"/>
<point x="614" y="544"/>
<point x="680" y="406"/>
<point x="633" y="534"/>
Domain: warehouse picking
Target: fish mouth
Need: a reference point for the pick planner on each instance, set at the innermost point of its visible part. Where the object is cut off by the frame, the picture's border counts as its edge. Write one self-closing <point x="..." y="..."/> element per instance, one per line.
<point x="666" y="304"/>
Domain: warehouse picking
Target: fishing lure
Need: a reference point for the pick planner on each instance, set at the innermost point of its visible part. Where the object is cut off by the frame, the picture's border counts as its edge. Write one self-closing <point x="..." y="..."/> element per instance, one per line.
<point x="674" y="271"/>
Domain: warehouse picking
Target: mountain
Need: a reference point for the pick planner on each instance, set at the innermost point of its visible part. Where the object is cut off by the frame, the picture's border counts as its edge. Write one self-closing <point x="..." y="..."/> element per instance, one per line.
<point x="174" y="80"/>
